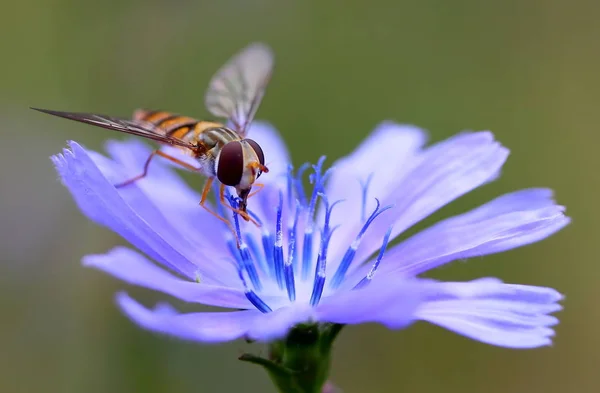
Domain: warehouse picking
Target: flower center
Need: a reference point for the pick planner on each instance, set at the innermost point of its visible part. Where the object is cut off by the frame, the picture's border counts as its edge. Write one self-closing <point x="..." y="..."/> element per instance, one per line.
<point x="274" y="264"/>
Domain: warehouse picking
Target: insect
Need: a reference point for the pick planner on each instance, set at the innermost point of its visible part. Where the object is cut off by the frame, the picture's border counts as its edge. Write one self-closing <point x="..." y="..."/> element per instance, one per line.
<point x="222" y="152"/>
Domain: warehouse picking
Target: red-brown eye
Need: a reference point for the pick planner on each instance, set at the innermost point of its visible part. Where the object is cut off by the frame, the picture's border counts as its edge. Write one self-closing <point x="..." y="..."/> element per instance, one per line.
<point x="259" y="153"/>
<point x="231" y="164"/>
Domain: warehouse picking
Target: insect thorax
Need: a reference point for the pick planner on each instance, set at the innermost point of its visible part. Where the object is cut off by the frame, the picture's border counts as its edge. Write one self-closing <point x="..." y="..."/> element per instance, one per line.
<point x="213" y="139"/>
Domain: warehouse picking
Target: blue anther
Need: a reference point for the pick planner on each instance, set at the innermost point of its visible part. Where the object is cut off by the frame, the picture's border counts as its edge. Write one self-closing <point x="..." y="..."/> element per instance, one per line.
<point x="290" y="264"/>
<point x="290" y="284"/>
<point x="364" y="185"/>
<point x="316" y="179"/>
<point x="249" y="266"/>
<point x="246" y="259"/>
<point x="293" y="254"/>
<point x="252" y="296"/>
<point x="278" y="245"/>
<point x="342" y="269"/>
<point x="307" y="249"/>
<point x="257" y="254"/>
<point x="258" y="302"/>
<point x="235" y="252"/>
<point x="367" y="279"/>
<point x="300" y="194"/>
<point x="317" y="292"/>
<point x="321" y="268"/>
<point x="268" y="242"/>
<point x="254" y="216"/>
<point x="290" y="184"/>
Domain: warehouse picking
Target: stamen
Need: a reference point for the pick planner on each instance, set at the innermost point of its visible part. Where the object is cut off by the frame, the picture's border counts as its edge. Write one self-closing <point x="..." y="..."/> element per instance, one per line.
<point x="246" y="258"/>
<point x="340" y="274"/>
<point x="233" y="250"/>
<point x="321" y="268"/>
<point x="252" y="296"/>
<point x="278" y="246"/>
<point x="316" y="180"/>
<point x="290" y="185"/>
<point x="293" y="252"/>
<point x="365" y="189"/>
<point x="367" y="279"/>
<point x="268" y="242"/>
<point x="291" y="263"/>
<point x="254" y="216"/>
<point x="299" y="186"/>
<point x="307" y="249"/>
<point x="257" y="253"/>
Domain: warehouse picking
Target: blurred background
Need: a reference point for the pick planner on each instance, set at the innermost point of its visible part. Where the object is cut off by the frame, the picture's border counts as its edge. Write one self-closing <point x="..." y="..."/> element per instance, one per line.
<point x="527" y="70"/>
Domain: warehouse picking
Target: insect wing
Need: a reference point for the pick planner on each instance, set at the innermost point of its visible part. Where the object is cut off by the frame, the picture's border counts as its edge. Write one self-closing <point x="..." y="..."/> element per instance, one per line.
<point x="237" y="88"/>
<point x="134" y="127"/>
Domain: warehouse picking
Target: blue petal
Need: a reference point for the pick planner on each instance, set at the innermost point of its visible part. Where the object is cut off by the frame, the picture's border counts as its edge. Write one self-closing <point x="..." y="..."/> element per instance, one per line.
<point x="215" y="327"/>
<point x="487" y="310"/>
<point x="133" y="268"/>
<point x="510" y="221"/>
<point x="138" y="220"/>
<point x="385" y="158"/>
<point x="439" y="175"/>
<point x="389" y="302"/>
<point x="175" y="200"/>
<point x="209" y="327"/>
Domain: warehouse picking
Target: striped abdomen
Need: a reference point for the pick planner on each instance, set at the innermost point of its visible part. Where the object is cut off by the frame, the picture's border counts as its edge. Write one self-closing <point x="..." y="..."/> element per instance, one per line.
<point x="188" y="129"/>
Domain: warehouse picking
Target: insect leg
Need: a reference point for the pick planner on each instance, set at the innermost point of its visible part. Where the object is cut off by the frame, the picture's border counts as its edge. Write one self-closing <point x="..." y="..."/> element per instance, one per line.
<point x="147" y="165"/>
<point x="141" y="176"/>
<point x="205" y="192"/>
<point x="260" y="186"/>
<point x="242" y="213"/>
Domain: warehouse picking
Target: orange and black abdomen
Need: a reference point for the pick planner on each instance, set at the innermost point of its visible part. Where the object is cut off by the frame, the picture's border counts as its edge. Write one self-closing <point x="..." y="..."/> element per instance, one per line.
<point x="167" y="123"/>
<point x="176" y="126"/>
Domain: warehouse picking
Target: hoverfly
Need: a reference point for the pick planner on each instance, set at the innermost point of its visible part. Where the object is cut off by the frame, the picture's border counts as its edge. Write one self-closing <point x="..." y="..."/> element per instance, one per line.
<point x="221" y="151"/>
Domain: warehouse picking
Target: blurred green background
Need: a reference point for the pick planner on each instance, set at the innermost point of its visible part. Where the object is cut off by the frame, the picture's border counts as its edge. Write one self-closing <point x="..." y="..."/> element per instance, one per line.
<point x="527" y="70"/>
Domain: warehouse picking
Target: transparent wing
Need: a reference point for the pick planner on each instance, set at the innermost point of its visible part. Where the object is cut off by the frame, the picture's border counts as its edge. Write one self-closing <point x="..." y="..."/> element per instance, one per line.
<point x="237" y="88"/>
<point x="134" y="127"/>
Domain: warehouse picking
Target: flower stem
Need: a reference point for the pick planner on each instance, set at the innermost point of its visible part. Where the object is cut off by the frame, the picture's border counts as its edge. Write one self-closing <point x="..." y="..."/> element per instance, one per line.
<point x="300" y="362"/>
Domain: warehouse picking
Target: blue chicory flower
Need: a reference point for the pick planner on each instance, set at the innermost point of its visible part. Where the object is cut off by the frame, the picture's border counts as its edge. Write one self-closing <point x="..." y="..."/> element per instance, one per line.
<point x="322" y="255"/>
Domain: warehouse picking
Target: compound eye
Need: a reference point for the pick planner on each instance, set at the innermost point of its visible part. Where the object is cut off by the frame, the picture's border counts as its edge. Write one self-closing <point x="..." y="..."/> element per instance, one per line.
<point x="231" y="164"/>
<point x="259" y="153"/>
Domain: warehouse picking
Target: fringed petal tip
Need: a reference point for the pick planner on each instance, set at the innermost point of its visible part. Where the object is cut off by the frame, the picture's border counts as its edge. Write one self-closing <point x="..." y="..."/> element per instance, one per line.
<point x="487" y="310"/>
<point x="60" y="160"/>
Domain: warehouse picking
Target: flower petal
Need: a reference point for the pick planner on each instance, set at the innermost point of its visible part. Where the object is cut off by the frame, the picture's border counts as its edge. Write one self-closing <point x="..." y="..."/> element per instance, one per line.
<point x="507" y="222"/>
<point x="382" y="158"/>
<point x="145" y="227"/>
<point x="389" y="302"/>
<point x="441" y="174"/>
<point x="134" y="269"/>
<point x="487" y="310"/>
<point x="176" y="201"/>
<point x="206" y="327"/>
<point x="215" y="326"/>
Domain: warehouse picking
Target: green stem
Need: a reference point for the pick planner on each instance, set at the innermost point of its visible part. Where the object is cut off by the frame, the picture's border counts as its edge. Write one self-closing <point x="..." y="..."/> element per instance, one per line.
<point x="300" y="363"/>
